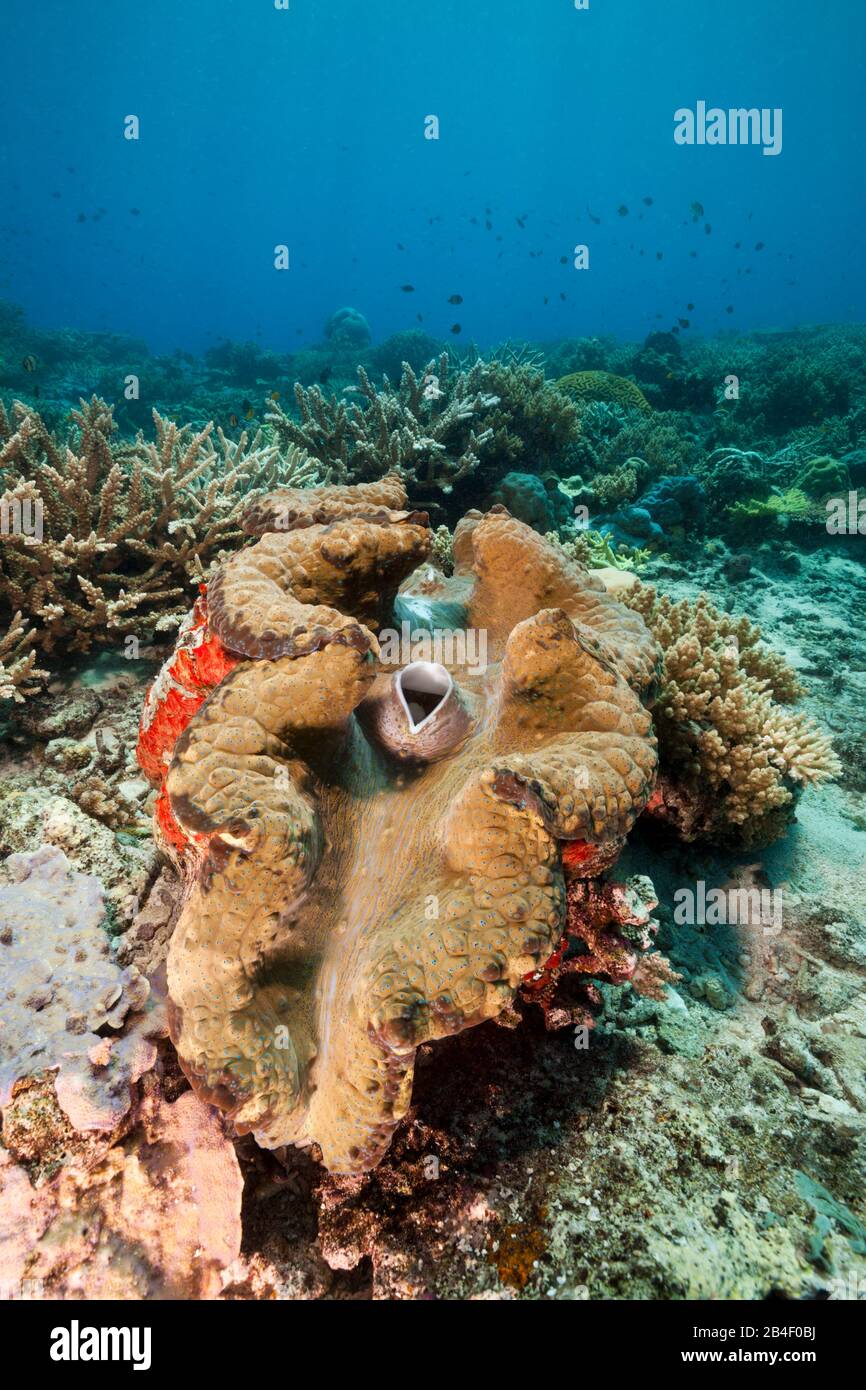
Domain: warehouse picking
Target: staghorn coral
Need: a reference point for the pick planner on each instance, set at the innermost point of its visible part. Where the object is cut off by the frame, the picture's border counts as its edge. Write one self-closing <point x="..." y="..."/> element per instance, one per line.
<point x="604" y="386"/>
<point x="426" y="431"/>
<point x="435" y="429"/>
<point x="19" y="674"/>
<point x="114" y="534"/>
<point x="722" y="728"/>
<point x="343" y="907"/>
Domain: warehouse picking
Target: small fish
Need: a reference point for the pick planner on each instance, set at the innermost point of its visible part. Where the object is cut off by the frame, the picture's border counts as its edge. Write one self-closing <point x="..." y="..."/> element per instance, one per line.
<point x="456" y="299"/>
<point x="456" y="328"/>
<point x="697" y="210"/>
<point x="759" y="246"/>
<point x="592" y="218"/>
<point x="274" y="396"/>
<point x="521" y="221"/>
<point x="729" y="309"/>
<point x="29" y="363"/>
<point x="690" y="307"/>
<point x="670" y="376"/>
<point x="660" y="255"/>
<point x="400" y="246"/>
<point x="622" y="210"/>
<point x="233" y="421"/>
<point x="684" y="323"/>
<point x="249" y="414"/>
<point x="420" y="318"/>
<point x="546" y="300"/>
<point x="136" y="212"/>
<point x="82" y="217"/>
<point x="647" y="202"/>
<point x="246" y="406"/>
<point x="408" y="289"/>
<point x="563" y="260"/>
<point x="693" y="255"/>
<point x="489" y="225"/>
<point x="55" y="195"/>
<point x="561" y="294"/>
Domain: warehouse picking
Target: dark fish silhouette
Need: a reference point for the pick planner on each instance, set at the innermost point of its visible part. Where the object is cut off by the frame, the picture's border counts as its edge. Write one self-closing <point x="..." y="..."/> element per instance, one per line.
<point x="408" y="289"/>
<point x="29" y="363"/>
<point x="647" y="202"/>
<point x="690" y="306"/>
<point x="456" y="328"/>
<point x="697" y="210"/>
<point x="622" y="210"/>
<point x="592" y="218"/>
<point x="729" y="309"/>
<point x="683" y="323"/>
<point x="456" y="299"/>
<point x="759" y="246"/>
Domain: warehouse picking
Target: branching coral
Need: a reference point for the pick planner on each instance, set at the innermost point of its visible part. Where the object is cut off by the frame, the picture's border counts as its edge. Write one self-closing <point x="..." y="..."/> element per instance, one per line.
<point x="19" y="674"/>
<point x="342" y="906"/>
<point x="722" y="729"/>
<point x="429" y="430"/>
<point x="436" y="428"/>
<point x="102" y="538"/>
<point x="594" y="550"/>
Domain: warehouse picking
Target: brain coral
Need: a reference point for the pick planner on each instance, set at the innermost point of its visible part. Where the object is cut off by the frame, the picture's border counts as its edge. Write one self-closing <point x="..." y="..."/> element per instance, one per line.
<point x="373" y="856"/>
<point x="605" y="386"/>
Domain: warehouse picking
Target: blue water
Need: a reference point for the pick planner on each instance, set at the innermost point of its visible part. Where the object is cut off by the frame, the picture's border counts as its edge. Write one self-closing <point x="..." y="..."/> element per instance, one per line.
<point x="305" y="127"/>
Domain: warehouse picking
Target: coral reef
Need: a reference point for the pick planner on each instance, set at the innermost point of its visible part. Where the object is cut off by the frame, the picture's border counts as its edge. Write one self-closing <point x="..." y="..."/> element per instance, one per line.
<point x="722" y="728"/>
<point x="111" y="536"/>
<point x="436" y="430"/>
<point x="290" y="807"/>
